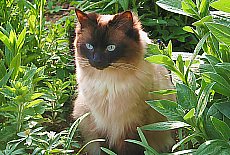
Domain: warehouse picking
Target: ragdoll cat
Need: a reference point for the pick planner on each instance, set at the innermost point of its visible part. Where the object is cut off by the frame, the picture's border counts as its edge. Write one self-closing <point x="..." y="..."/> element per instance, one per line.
<point x="114" y="81"/>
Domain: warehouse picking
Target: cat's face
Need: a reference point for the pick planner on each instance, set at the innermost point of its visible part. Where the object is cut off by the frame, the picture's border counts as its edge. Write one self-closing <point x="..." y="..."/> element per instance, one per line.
<point x="107" y="39"/>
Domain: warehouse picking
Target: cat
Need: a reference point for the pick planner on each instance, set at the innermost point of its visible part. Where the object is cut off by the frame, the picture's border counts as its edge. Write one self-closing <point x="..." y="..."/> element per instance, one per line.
<point x="114" y="82"/>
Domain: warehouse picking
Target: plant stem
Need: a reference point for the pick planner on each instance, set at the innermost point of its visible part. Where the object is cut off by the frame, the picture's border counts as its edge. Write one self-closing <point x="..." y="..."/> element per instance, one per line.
<point x="20" y="116"/>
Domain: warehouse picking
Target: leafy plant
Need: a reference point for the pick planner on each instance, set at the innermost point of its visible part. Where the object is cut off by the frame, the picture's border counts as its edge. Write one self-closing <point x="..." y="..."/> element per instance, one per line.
<point x="206" y="127"/>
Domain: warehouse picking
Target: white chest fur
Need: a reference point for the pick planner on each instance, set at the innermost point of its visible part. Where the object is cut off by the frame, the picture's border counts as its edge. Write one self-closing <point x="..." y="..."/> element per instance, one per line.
<point x="115" y="99"/>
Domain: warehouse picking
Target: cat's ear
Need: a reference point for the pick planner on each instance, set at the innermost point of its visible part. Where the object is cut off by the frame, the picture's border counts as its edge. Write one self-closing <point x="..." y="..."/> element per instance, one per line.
<point x="82" y="18"/>
<point x="123" y="21"/>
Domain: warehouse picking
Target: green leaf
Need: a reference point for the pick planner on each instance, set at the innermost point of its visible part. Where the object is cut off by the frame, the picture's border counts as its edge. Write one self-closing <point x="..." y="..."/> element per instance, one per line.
<point x="5" y="40"/>
<point x="185" y="96"/>
<point x="203" y="100"/>
<point x="15" y="64"/>
<point x="147" y="147"/>
<point x="164" y="126"/>
<point x="164" y="92"/>
<point x="223" y="69"/>
<point x="188" y="29"/>
<point x="212" y="147"/>
<point x="180" y="63"/>
<point x="21" y="39"/>
<point x="167" y="108"/>
<point x="190" y="117"/>
<point x="204" y="8"/>
<point x="185" y="140"/>
<point x="124" y="4"/>
<point x="107" y="151"/>
<point x="2" y="69"/>
<point x="222" y="5"/>
<point x="221" y="32"/>
<point x="36" y="95"/>
<point x="167" y="62"/>
<point x="224" y="108"/>
<point x="190" y="152"/>
<point x="190" y="8"/>
<point x="221" y="85"/>
<point x="34" y="103"/>
<point x="143" y="139"/>
<point x="172" y="6"/>
<point x="169" y="49"/>
<point x="202" y="21"/>
<point x="72" y="130"/>
<point x="6" y="77"/>
<point x="221" y="127"/>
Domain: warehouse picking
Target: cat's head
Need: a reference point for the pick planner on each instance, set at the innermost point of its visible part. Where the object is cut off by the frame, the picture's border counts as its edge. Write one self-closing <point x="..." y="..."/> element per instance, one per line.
<point x="107" y="39"/>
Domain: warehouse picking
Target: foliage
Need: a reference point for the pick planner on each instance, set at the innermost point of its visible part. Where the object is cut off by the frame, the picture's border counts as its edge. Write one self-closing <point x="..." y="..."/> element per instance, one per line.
<point x="202" y="96"/>
<point x="36" y="77"/>
<point x="36" y="73"/>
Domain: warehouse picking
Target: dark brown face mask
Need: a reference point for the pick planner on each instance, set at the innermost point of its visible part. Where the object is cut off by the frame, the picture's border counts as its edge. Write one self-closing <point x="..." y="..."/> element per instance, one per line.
<point x="99" y="41"/>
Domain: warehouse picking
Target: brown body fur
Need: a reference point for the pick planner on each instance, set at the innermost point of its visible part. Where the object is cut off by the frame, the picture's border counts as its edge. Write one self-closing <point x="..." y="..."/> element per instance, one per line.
<point x="116" y="95"/>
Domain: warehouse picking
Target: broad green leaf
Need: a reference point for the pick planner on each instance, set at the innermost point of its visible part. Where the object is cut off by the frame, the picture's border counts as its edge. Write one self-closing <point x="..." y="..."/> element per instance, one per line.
<point x="224" y="108"/>
<point x="143" y="139"/>
<point x="222" y="5"/>
<point x="172" y="6"/>
<point x="212" y="147"/>
<point x="153" y="49"/>
<point x="108" y="151"/>
<point x="189" y="7"/>
<point x="221" y="127"/>
<point x="21" y="39"/>
<point x="15" y="64"/>
<point x="167" y="108"/>
<point x="2" y="69"/>
<point x="110" y="3"/>
<point x="221" y="32"/>
<point x="147" y="147"/>
<point x="169" y="49"/>
<point x="36" y="95"/>
<point x="212" y="60"/>
<point x="204" y="8"/>
<point x="221" y="85"/>
<point x="185" y="96"/>
<point x="214" y="46"/>
<point x="189" y="152"/>
<point x="221" y="17"/>
<point x="167" y="62"/>
<point x="6" y="41"/>
<point x="4" y="80"/>
<point x="164" y="126"/>
<point x="13" y="40"/>
<point x="34" y="103"/>
<point x="188" y="29"/>
<point x="190" y="117"/>
<point x="202" y="21"/>
<point x="180" y="63"/>
<point x="223" y="69"/>
<point x="164" y="92"/>
<point x="142" y="136"/>
<point x="124" y="4"/>
<point x="224" y="51"/>
<point x="185" y="140"/>
<point x="203" y="100"/>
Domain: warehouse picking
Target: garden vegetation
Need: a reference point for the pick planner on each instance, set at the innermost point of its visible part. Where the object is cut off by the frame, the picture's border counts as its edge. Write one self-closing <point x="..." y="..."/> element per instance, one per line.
<point x="37" y="77"/>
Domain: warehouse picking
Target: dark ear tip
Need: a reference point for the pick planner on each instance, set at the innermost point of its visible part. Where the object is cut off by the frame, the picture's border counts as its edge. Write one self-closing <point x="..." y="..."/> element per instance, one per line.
<point x="128" y="14"/>
<point x="77" y="11"/>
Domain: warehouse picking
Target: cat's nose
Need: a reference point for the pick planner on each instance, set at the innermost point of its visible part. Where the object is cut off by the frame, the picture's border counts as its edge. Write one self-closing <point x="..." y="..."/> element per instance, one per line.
<point x="97" y="58"/>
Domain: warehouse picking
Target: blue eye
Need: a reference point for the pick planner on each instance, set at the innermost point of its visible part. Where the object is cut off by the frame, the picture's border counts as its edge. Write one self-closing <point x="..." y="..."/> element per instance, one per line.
<point x="111" y="48"/>
<point x="89" y="46"/>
